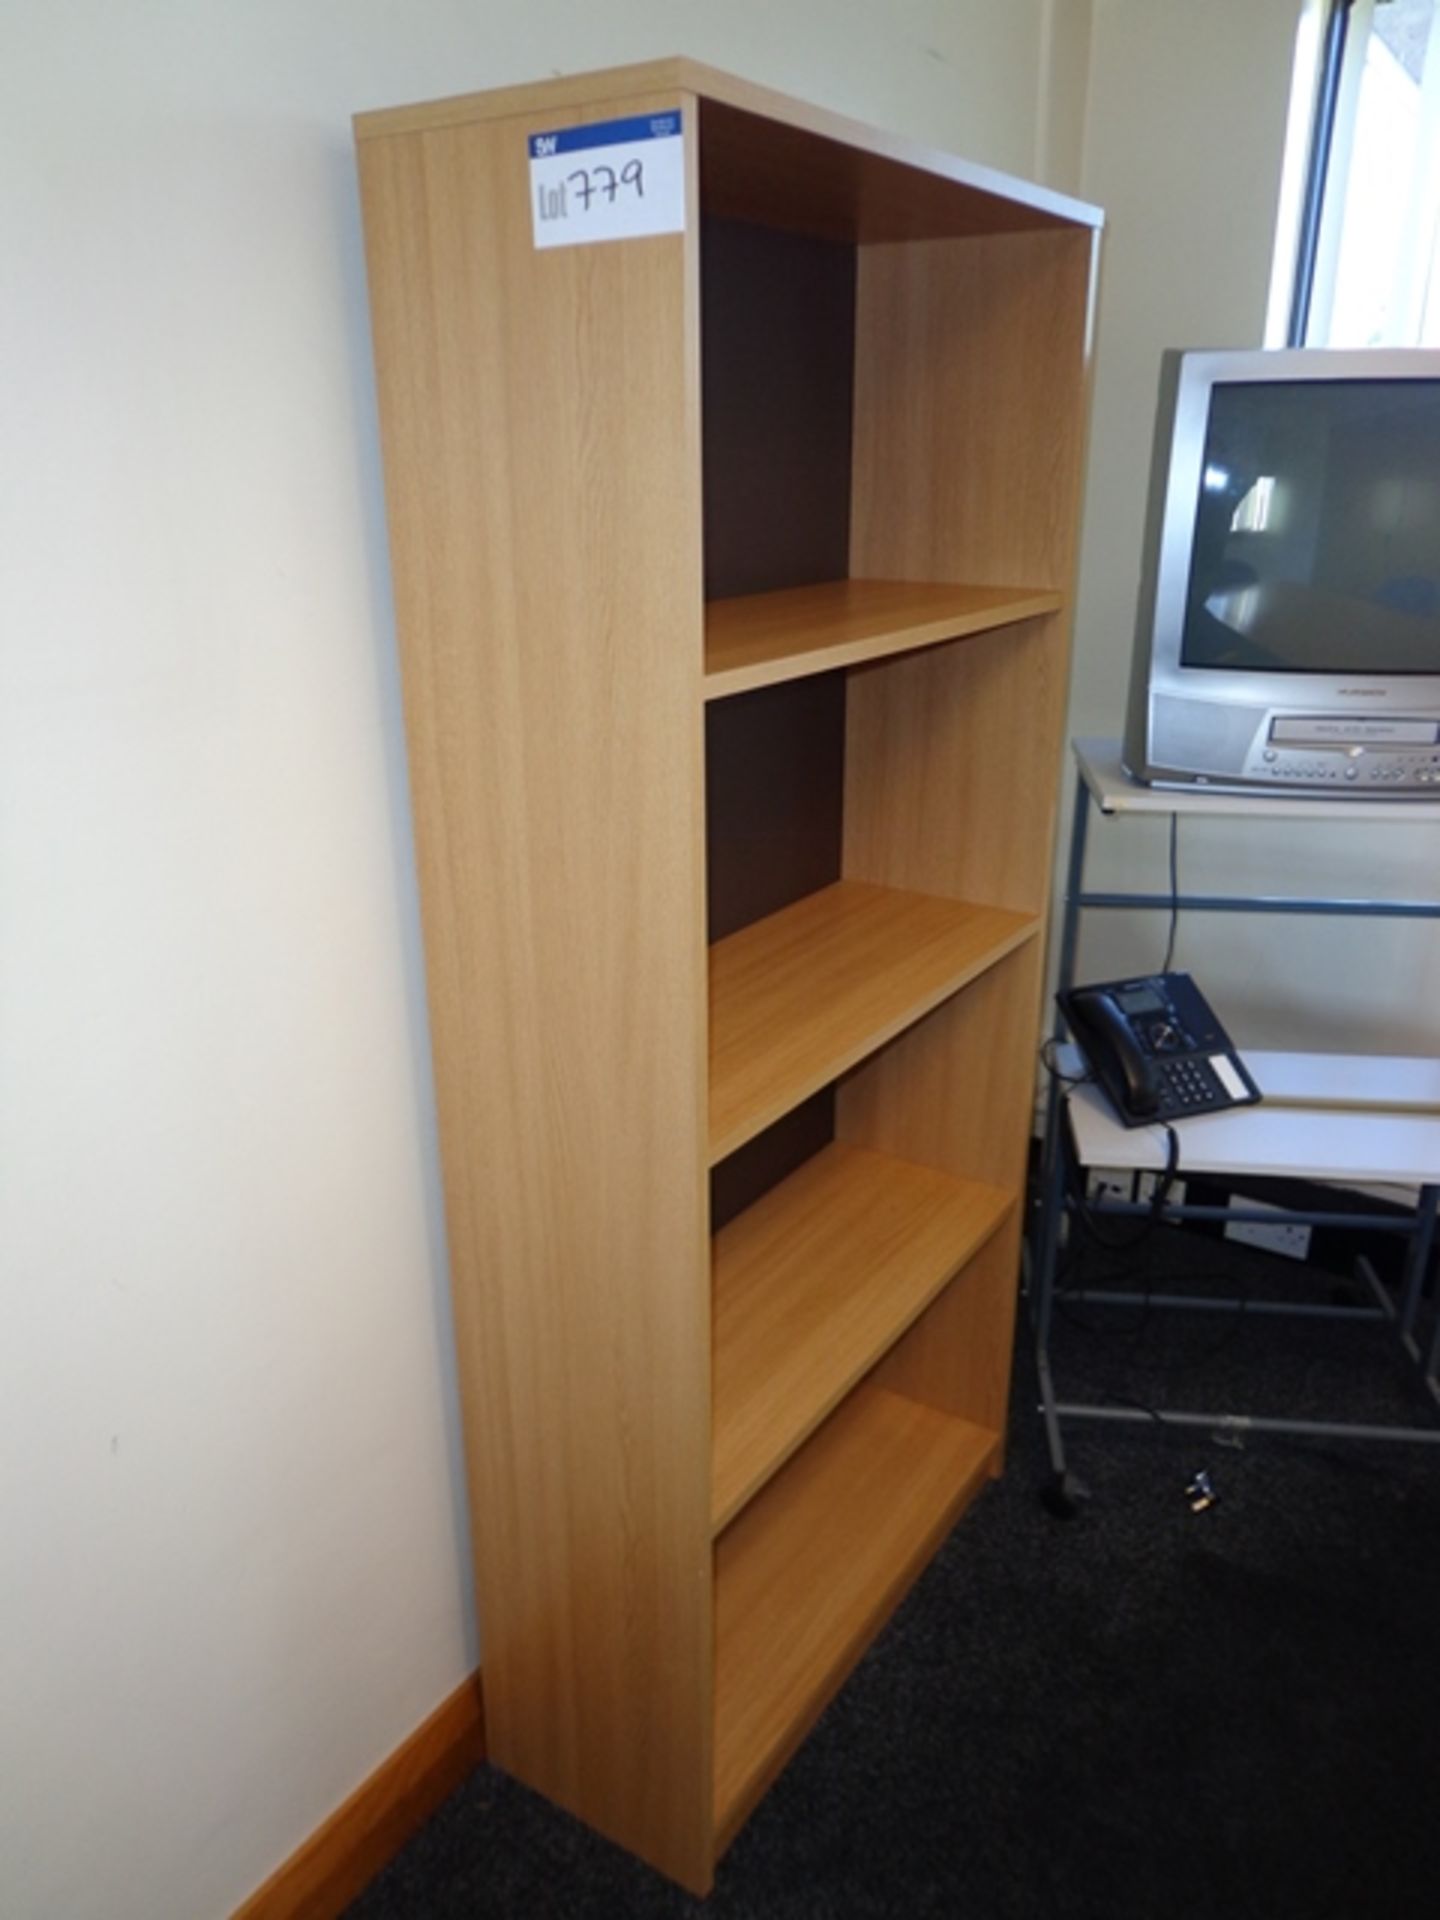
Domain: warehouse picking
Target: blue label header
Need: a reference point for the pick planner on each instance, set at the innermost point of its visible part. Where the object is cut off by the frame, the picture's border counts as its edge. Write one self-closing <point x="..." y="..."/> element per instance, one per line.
<point x="606" y="133"/>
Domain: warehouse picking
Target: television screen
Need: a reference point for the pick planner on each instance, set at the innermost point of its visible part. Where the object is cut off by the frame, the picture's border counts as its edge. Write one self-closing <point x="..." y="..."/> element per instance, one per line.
<point x="1317" y="529"/>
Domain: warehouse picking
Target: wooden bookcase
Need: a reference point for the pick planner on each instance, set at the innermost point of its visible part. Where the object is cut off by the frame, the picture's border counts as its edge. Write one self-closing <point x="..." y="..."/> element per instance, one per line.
<point x="732" y="571"/>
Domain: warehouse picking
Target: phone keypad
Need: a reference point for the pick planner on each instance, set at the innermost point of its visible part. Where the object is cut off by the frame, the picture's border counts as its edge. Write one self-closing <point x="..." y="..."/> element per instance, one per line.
<point x="1188" y="1084"/>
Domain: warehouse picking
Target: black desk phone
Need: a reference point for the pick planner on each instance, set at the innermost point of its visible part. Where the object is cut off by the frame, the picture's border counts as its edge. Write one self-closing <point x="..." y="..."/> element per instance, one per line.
<point x="1157" y="1048"/>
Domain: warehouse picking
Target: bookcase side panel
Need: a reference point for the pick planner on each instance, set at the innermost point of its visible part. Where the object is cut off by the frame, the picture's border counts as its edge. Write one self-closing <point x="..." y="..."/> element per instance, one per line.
<point x="957" y="1091"/>
<point x="972" y="389"/>
<point x="971" y="393"/>
<point x="540" y="425"/>
<point x="956" y="1357"/>
<point x="951" y="766"/>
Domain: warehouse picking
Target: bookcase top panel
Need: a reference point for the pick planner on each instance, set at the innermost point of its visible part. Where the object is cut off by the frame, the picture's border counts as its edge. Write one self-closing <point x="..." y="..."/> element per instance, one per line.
<point x="769" y="158"/>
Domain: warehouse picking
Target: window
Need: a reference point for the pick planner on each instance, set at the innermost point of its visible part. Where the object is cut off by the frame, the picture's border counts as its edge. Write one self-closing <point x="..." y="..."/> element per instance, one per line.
<point x="1360" y="209"/>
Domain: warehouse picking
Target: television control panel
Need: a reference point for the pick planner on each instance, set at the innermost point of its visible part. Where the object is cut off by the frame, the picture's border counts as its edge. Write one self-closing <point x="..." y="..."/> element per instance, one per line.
<point x="1377" y="756"/>
<point x="1196" y="744"/>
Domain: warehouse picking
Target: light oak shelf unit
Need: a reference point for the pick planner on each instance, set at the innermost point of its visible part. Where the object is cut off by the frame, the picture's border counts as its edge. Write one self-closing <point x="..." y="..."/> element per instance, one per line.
<point x="732" y="571"/>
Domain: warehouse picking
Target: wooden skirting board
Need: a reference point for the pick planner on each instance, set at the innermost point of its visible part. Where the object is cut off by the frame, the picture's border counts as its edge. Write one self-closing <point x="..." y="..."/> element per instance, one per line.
<point x="342" y="1856"/>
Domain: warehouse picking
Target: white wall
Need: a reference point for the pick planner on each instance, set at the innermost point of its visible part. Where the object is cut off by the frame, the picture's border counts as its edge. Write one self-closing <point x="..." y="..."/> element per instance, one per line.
<point x="1067" y="35"/>
<point x="1183" y="141"/>
<point x="232" y="1554"/>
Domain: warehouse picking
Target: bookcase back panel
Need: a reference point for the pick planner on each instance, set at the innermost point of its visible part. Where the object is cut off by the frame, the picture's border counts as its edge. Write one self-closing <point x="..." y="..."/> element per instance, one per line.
<point x="777" y="344"/>
<point x="774" y="789"/>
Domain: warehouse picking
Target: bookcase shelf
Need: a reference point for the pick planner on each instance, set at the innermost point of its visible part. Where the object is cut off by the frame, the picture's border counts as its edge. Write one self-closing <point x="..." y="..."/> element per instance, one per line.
<point x="803" y="995"/>
<point x="757" y="640"/>
<point x="732" y="569"/>
<point x="814" y="1283"/>
<point x="815" y="1563"/>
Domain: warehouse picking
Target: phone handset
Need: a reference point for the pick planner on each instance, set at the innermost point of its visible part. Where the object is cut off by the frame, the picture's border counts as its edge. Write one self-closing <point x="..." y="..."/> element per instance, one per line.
<point x="1108" y="1032"/>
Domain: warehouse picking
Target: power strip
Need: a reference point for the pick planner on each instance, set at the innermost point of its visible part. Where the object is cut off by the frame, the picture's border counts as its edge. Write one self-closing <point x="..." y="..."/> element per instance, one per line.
<point x="1285" y="1237"/>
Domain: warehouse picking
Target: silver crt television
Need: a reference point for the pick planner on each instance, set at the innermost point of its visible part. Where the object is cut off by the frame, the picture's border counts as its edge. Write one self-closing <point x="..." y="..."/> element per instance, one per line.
<point x="1288" y="637"/>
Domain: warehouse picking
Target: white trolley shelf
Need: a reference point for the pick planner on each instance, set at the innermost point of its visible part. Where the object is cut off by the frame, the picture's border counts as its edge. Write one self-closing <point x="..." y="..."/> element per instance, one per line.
<point x="1352" y="1120"/>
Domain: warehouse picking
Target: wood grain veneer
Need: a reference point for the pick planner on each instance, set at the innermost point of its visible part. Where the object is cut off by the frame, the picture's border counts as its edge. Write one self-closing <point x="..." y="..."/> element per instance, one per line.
<point x="813" y="1566"/>
<point x="760" y="638"/>
<point x="992" y="332"/>
<point x="540" y="420"/>
<point x="951" y="753"/>
<point x="956" y="1091"/>
<point x="771" y="158"/>
<point x="813" y="1283"/>
<point x="957" y="1356"/>
<point x="800" y="997"/>
<point x="949" y="788"/>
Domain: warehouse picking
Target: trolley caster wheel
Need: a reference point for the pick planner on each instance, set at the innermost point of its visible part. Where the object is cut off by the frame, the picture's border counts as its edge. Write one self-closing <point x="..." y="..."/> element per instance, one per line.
<point x="1063" y="1495"/>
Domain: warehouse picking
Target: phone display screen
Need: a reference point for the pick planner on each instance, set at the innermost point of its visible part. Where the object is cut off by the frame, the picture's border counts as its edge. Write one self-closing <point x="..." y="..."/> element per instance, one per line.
<point x="1133" y="1000"/>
